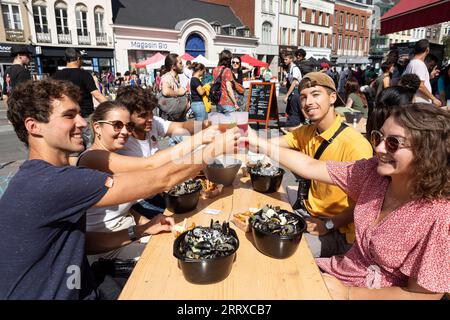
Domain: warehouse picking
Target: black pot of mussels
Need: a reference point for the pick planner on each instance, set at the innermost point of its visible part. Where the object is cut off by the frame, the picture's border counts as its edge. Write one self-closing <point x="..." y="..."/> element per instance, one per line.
<point x="206" y="254"/>
<point x="277" y="232"/>
<point x="183" y="197"/>
<point x="265" y="177"/>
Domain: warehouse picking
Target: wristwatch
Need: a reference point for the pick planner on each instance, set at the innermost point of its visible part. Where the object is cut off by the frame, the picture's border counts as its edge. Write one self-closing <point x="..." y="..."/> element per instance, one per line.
<point x="132" y="233"/>
<point x="329" y="225"/>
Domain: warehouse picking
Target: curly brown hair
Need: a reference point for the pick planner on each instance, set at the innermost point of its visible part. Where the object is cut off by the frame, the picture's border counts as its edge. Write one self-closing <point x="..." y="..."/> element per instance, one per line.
<point x="137" y="99"/>
<point x="429" y="129"/>
<point x="35" y="100"/>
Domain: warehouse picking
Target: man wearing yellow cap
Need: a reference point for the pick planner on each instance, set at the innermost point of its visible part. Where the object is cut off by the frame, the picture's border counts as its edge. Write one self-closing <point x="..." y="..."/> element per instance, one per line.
<point x="327" y="209"/>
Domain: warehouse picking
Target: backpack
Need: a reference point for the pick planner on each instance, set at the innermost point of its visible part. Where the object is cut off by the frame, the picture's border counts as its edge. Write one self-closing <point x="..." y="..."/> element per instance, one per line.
<point x="216" y="89"/>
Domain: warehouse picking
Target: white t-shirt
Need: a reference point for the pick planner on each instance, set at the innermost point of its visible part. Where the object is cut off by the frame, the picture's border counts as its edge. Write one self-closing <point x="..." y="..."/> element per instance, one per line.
<point x="145" y="148"/>
<point x="294" y="73"/>
<point x="185" y="78"/>
<point x="109" y="218"/>
<point x="419" y="68"/>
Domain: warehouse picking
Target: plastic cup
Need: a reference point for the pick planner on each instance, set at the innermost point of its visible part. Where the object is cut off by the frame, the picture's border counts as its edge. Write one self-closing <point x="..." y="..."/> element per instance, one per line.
<point x="226" y="122"/>
<point x="242" y="124"/>
<point x="214" y="118"/>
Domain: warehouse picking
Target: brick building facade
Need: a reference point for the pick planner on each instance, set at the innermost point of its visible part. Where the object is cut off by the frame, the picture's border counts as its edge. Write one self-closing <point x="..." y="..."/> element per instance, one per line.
<point x="351" y="32"/>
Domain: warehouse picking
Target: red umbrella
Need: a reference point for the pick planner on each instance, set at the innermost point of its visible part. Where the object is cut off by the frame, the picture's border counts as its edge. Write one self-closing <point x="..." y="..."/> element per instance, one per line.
<point x="187" y="57"/>
<point x="253" y="61"/>
<point x="155" y="58"/>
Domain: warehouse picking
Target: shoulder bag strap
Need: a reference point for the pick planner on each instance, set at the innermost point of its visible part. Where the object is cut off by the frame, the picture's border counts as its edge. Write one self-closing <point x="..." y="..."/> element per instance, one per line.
<point x="305" y="184"/>
<point x="326" y="143"/>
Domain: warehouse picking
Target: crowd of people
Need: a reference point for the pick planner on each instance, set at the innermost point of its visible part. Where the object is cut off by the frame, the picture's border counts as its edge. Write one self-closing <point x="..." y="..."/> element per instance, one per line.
<point x="376" y="206"/>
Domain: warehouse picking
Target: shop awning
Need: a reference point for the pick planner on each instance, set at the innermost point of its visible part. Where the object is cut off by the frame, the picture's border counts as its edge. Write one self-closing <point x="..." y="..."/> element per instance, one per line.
<point x="207" y="63"/>
<point x="253" y="61"/>
<point x="187" y="57"/>
<point x="150" y="61"/>
<point x="352" y="60"/>
<point x="409" y="14"/>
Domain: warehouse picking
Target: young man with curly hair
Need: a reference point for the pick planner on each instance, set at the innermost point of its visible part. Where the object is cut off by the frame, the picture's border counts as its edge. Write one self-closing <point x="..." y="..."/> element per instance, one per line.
<point x="43" y="210"/>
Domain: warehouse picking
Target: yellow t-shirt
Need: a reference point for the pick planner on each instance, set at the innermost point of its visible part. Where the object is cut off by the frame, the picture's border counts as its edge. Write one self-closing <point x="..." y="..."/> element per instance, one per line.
<point x="325" y="200"/>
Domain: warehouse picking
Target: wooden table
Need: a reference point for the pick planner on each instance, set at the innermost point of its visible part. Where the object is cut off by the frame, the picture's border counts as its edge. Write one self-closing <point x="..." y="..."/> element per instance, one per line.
<point x="254" y="275"/>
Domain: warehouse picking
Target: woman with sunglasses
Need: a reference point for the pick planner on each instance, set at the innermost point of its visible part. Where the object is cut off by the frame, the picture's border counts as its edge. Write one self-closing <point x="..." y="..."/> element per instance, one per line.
<point x="387" y="99"/>
<point x="238" y="76"/>
<point x="112" y="126"/>
<point x="402" y="208"/>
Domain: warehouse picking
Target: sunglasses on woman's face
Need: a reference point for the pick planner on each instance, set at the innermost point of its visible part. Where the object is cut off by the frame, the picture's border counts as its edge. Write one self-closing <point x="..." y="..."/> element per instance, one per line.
<point x="235" y="62"/>
<point x="392" y="143"/>
<point x="118" y="125"/>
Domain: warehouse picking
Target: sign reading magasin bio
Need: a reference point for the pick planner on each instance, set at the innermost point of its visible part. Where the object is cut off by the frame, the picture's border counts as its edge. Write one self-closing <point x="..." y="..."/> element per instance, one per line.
<point x="149" y="45"/>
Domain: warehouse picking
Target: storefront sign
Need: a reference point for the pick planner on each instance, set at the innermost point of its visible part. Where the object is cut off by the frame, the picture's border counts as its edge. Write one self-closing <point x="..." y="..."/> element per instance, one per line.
<point x="239" y="50"/>
<point x="5" y="49"/>
<point x="149" y="45"/>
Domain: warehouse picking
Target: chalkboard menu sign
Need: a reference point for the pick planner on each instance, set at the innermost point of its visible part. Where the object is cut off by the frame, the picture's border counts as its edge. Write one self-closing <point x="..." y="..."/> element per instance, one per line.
<point x="262" y="102"/>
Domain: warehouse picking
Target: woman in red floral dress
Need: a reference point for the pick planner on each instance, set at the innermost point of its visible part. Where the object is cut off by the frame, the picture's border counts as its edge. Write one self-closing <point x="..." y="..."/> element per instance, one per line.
<point x="402" y="213"/>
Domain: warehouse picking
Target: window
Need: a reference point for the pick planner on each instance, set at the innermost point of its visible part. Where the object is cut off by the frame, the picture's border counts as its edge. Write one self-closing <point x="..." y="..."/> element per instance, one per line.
<point x="340" y="42"/>
<point x="347" y="21"/>
<point x="326" y="41"/>
<point x="302" y="38"/>
<point x="321" y="18"/>
<point x="216" y="27"/>
<point x="327" y="20"/>
<point x="319" y="40"/>
<point x="40" y="17"/>
<point x="293" y="37"/>
<point x="11" y="16"/>
<point x="313" y="17"/>
<point x="271" y="6"/>
<point x="99" y="14"/>
<point x="362" y="22"/>
<point x="263" y="6"/>
<point x="303" y="15"/>
<point x="311" y="39"/>
<point x="284" y="36"/>
<point x="81" y="14"/>
<point x="341" y="19"/>
<point x="266" y="32"/>
<point x="295" y="7"/>
<point x="62" y="26"/>
<point x="284" y="7"/>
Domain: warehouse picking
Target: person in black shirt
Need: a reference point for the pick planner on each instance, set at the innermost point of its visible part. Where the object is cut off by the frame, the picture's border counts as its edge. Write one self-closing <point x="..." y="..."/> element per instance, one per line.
<point x="197" y="91"/>
<point x="16" y="73"/>
<point x="84" y="80"/>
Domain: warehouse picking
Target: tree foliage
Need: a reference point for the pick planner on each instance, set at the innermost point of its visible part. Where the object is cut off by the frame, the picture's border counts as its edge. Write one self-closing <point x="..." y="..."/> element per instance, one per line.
<point x="446" y="43"/>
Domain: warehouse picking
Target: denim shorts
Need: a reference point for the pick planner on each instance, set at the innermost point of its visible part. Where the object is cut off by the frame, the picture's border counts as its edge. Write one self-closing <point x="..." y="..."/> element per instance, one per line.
<point x="225" y="109"/>
<point x="199" y="110"/>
